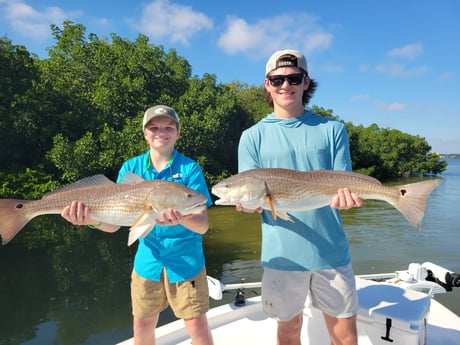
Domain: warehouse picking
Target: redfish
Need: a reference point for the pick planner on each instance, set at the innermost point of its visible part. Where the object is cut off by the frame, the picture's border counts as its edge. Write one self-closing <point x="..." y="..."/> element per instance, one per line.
<point x="134" y="202"/>
<point x="282" y="191"/>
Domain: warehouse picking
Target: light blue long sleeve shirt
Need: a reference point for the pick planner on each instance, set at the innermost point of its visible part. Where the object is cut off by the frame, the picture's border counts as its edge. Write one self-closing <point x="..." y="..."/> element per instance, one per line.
<point x="316" y="239"/>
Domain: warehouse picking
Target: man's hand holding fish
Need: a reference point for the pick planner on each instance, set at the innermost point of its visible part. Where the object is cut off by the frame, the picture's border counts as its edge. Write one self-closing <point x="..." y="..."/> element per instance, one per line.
<point x="345" y="199"/>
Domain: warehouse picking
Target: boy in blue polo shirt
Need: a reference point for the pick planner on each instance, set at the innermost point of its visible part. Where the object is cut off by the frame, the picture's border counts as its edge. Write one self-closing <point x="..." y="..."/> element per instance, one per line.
<point x="169" y="265"/>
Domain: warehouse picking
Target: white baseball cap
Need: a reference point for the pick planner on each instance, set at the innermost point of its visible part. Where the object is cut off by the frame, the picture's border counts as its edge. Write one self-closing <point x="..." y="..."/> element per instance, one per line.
<point x="286" y="58"/>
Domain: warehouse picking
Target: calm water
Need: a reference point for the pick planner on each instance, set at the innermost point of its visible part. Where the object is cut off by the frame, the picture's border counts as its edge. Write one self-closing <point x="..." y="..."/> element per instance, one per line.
<point x="78" y="293"/>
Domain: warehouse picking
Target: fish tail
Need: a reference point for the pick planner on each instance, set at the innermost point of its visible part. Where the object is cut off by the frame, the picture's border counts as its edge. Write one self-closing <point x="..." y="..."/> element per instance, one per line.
<point x="12" y="218"/>
<point x="412" y="200"/>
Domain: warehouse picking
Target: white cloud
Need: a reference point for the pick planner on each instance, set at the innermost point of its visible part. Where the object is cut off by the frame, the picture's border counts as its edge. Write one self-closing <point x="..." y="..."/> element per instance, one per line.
<point x="396" y="106"/>
<point x="332" y="68"/>
<point x="446" y="76"/>
<point x="410" y="51"/>
<point x="103" y="22"/>
<point x="161" y="19"/>
<point x="390" y="107"/>
<point x="297" y="31"/>
<point x="400" y="70"/>
<point x="364" y="68"/>
<point x="361" y="97"/>
<point x="34" y="23"/>
<point x="240" y="36"/>
<point x="393" y="69"/>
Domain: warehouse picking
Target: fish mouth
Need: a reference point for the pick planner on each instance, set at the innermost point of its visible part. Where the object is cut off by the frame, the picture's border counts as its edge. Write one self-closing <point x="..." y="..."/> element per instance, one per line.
<point x="197" y="207"/>
<point x="222" y="201"/>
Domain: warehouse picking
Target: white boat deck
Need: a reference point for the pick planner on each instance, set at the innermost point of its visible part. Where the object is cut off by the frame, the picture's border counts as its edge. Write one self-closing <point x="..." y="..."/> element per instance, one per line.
<point x="415" y="319"/>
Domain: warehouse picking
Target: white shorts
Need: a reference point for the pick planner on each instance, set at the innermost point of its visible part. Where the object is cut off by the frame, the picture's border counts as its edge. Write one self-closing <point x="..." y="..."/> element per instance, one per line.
<point x="332" y="291"/>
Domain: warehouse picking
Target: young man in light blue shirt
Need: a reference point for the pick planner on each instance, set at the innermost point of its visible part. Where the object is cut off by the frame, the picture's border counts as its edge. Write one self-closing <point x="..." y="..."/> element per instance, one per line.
<point x="310" y="255"/>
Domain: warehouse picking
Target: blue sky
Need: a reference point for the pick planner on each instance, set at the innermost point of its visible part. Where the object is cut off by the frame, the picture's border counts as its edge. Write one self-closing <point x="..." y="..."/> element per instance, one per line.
<point x="394" y="63"/>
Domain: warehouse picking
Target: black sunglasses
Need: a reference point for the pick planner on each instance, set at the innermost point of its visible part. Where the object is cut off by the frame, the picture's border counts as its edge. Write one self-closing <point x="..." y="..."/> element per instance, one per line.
<point x="293" y="79"/>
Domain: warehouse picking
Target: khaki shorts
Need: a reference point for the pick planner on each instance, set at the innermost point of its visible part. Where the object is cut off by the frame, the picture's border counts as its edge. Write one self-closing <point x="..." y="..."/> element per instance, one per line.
<point x="332" y="291"/>
<point x="188" y="299"/>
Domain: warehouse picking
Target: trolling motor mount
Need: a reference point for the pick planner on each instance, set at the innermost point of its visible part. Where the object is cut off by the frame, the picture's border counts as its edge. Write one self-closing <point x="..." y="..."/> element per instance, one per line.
<point x="439" y="275"/>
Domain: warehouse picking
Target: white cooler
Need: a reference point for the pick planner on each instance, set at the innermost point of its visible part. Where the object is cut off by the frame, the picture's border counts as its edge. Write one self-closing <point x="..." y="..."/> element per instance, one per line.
<point x="389" y="314"/>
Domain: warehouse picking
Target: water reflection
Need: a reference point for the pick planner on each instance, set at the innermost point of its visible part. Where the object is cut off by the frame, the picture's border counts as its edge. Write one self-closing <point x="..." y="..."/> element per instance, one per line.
<point x="69" y="291"/>
<point x="68" y="285"/>
<point x="232" y="236"/>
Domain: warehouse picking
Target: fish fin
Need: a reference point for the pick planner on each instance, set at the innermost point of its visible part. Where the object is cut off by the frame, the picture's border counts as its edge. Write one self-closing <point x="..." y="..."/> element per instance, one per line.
<point x="272" y="207"/>
<point x="13" y="218"/>
<point x="90" y="181"/>
<point x="130" y="177"/>
<point x="412" y="200"/>
<point x="277" y="213"/>
<point x="138" y="231"/>
<point x="269" y="198"/>
<point x="141" y="227"/>
<point x="284" y="216"/>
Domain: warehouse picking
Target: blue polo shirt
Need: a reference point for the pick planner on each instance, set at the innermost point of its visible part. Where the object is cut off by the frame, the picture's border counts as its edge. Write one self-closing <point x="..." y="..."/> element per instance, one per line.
<point x="176" y="249"/>
<point x="316" y="239"/>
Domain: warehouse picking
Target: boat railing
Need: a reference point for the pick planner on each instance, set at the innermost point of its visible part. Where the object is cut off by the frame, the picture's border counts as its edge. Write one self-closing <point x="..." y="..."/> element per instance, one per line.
<point x="428" y="278"/>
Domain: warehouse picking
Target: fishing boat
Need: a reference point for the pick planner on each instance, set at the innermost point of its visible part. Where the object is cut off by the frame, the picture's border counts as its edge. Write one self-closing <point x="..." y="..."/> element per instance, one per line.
<point x="396" y="308"/>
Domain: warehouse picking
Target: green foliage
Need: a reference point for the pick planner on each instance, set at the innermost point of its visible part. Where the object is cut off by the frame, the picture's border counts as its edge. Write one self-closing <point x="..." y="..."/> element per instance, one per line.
<point x="19" y="123"/>
<point x="210" y="125"/>
<point x="74" y="159"/>
<point x="385" y="153"/>
<point x="91" y="89"/>
<point x="431" y="164"/>
<point x="324" y="112"/>
<point x="251" y="102"/>
<point x="89" y="155"/>
<point x="27" y="184"/>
